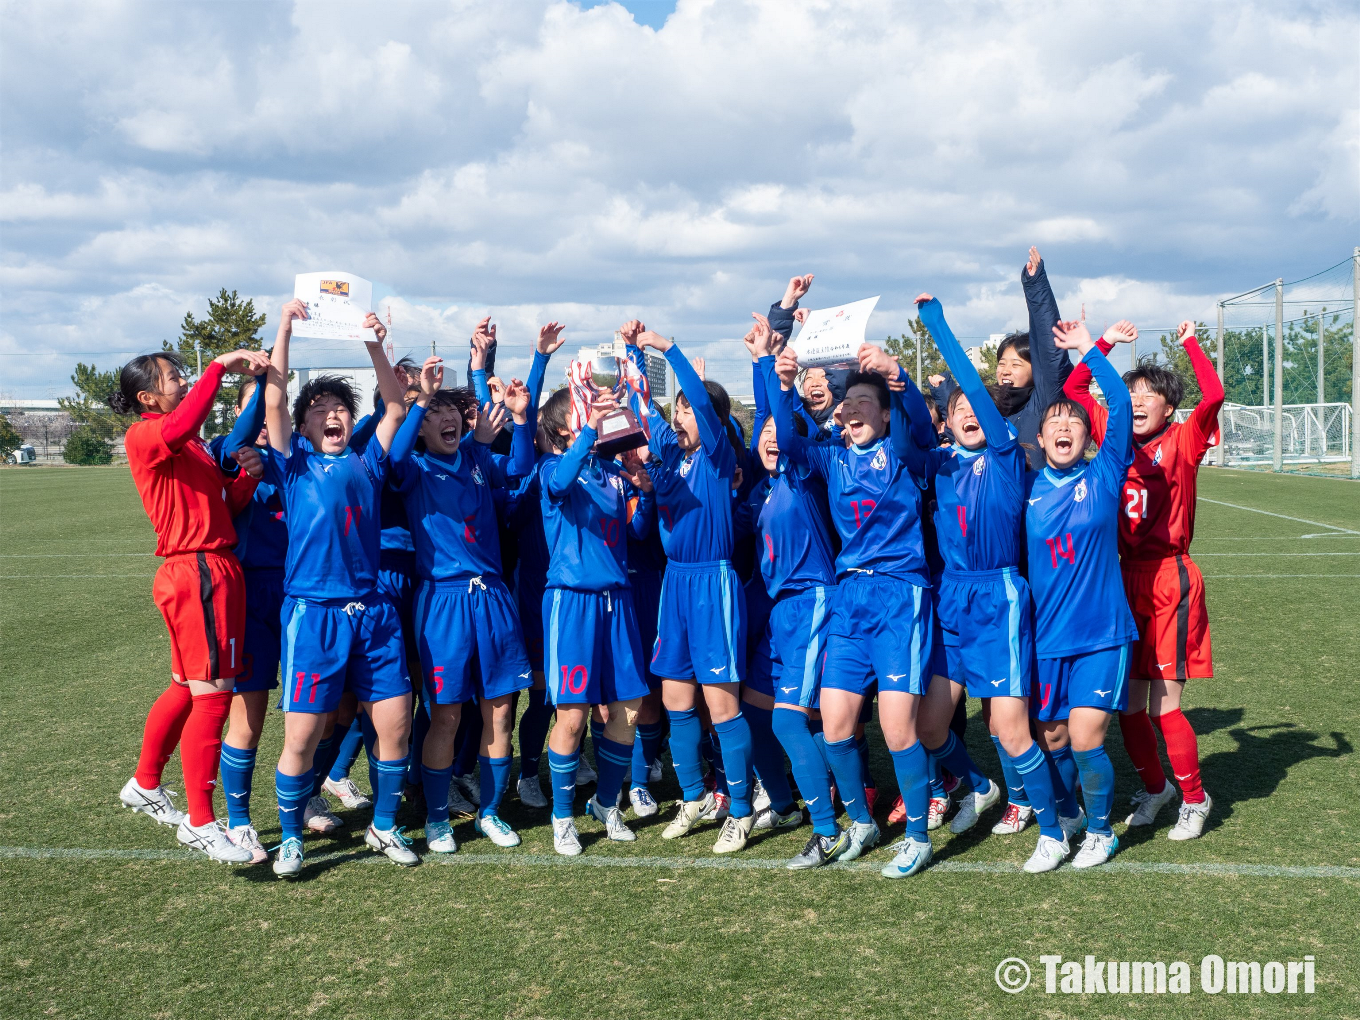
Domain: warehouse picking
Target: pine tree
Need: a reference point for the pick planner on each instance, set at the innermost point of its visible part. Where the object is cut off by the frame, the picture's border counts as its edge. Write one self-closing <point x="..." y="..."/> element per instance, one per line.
<point x="231" y="325"/>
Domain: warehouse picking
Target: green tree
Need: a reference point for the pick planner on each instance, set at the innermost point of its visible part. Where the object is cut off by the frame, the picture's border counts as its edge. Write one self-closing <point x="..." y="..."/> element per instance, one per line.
<point x="10" y="440"/>
<point x="231" y="325"/>
<point x="87" y="445"/>
<point x="903" y="348"/>
<point x="90" y="406"/>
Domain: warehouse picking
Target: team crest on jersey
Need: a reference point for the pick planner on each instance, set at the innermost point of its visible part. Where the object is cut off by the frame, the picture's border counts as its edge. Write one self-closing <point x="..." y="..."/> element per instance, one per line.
<point x="477" y="475"/>
<point x="1079" y="493"/>
<point x="978" y="465"/>
<point x="1157" y="457"/>
<point x="685" y="466"/>
<point x="880" y="460"/>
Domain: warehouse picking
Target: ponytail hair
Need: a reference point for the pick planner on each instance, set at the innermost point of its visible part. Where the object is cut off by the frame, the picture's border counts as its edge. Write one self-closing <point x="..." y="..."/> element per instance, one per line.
<point x="142" y="373"/>
<point x="722" y="407"/>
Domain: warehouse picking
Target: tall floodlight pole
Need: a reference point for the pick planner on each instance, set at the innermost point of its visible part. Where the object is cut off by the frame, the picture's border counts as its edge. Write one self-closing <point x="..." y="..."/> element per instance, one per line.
<point x="1277" y="459"/>
<point x="1222" y="458"/>
<point x="1355" y="365"/>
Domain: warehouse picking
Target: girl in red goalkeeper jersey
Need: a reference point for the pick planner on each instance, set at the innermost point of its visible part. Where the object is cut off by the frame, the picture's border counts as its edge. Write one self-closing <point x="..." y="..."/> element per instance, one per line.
<point x="199" y="589"/>
<point x="1165" y="589"/>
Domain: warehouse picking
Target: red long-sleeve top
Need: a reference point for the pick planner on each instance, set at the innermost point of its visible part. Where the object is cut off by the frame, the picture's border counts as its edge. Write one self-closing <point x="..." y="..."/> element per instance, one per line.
<point x="1157" y="518"/>
<point x="188" y="497"/>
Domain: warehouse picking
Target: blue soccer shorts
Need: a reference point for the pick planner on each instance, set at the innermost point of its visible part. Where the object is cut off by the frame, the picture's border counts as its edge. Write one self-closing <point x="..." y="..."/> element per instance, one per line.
<point x="797" y="638"/>
<point x="988" y="631"/>
<point x="881" y="631"/>
<point x="593" y="654"/>
<point x="459" y="623"/>
<point x="645" y="586"/>
<point x="264" y="631"/>
<point x="1097" y="679"/>
<point x="701" y="624"/>
<point x="939" y="658"/>
<point x="334" y="645"/>
<point x="529" y="596"/>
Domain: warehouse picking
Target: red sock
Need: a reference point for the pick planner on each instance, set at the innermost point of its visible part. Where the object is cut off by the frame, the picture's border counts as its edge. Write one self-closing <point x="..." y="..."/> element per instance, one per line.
<point x="1183" y="750"/>
<point x="164" y="723"/>
<point x="1140" y="741"/>
<point x="200" y="751"/>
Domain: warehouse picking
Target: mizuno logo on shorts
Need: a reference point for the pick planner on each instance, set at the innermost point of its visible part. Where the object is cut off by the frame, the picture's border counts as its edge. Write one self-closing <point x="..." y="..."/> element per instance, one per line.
<point x="998" y="683"/>
<point x="1163" y="665"/>
<point x="717" y="669"/>
<point x="894" y="677"/>
<point x="1103" y="693"/>
<point x="787" y="689"/>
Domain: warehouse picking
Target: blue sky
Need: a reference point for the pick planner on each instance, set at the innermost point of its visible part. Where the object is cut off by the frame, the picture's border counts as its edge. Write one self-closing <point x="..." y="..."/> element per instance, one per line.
<point x="677" y="162"/>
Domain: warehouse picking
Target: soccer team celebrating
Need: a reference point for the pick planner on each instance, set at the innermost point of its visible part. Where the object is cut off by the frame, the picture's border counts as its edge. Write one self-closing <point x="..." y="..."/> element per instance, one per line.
<point x="744" y="601"/>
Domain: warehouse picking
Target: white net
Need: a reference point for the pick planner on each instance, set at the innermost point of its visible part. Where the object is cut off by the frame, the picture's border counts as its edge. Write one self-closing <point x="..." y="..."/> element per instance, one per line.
<point x="1311" y="433"/>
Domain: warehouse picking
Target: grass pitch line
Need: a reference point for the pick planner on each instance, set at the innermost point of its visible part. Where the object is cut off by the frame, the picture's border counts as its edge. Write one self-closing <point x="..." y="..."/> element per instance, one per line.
<point x="1284" y="517"/>
<point x="362" y="855"/>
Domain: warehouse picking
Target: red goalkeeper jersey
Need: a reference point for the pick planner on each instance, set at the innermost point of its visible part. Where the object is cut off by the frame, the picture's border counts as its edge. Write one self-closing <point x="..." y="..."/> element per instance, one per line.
<point x="1157" y="513"/>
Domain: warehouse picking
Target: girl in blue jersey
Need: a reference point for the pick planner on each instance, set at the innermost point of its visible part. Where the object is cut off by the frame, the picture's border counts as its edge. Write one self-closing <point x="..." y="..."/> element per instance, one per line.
<point x="592" y="652"/>
<point x="464" y="611"/>
<point x="701" y="624"/>
<point x="984" y="606"/>
<point x="881" y="621"/>
<point x="340" y="632"/>
<point x="1084" y="630"/>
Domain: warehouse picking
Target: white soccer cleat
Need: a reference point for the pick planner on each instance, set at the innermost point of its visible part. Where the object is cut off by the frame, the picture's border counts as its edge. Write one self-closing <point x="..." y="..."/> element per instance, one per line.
<point x="496" y="830"/>
<point x="1095" y="850"/>
<point x="686" y="817"/>
<point x="585" y="775"/>
<point x="347" y="793"/>
<point x="1015" y="819"/>
<point x="1072" y="826"/>
<point x="288" y="863"/>
<point x="246" y="836"/>
<point x="972" y="806"/>
<point x="1191" y="820"/>
<point x="654" y="773"/>
<point x="861" y="836"/>
<point x="470" y="789"/>
<point x="733" y="835"/>
<point x="760" y="798"/>
<point x="566" y="840"/>
<point x="612" y="818"/>
<point x="394" y="844"/>
<point x="644" y="804"/>
<point x="910" y="857"/>
<point x="212" y="840"/>
<point x="717" y="806"/>
<point x="530" y="792"/>
<point x="439" y="838"/>
<point x="939" y="807"/>
<point x="154" y="803"/>
<point x="1146" y="805"/>
<point x="769" y="818"/>
<point x="319" y="817"/>
<point x="1048" y="854"/>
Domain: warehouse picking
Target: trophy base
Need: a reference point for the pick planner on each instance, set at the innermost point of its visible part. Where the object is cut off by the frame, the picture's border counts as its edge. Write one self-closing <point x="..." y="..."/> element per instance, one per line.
<point x="619" y="432"/>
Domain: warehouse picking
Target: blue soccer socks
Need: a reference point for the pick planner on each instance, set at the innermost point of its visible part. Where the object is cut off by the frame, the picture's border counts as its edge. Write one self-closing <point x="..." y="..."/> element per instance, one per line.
<point x="238" y="773"/>
<point x="686" y="732"/>
<point x="843" y="757"/>
<point x="390" y="775"/>
<point x="734" y="740"/>
<point x="436" y="783"/>
<point x="1062" y="770"/>
<point x="494" y="779"/>
<point x="292" y="792"/>
<point x="914" y="785"/>
<point x="611" y="763"/>
<point x="953" y="756"/>
<point x="1032" y="769"/>
<point x="327" y="749"/>
<point x="767" y="757"/>
<point x="1097" y="788"/>
<point x="562" y="768"/>
<point x="646" y="749"/>
<point x="809" y="768"/>
<point x="1015" y="786"/>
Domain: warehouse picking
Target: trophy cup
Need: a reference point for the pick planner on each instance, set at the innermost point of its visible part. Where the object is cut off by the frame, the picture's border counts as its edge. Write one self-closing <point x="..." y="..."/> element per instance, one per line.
<point x="620" y="429"/>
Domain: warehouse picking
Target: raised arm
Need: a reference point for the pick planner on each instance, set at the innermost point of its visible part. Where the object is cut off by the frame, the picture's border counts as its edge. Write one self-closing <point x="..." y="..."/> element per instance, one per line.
<point x="247" y="427"/>
<point x="1078" y="384"/>
<point x="1111" y="464"/>
<point x="278" y="424"/>
<point x="395" y="410"/>
<point x="712" y="431"/>
<point x="483" y="340"/>
<point x="798" y="449"/>
<point x="521" y="459"/>
<point x="1000" y="436"/>
<point x="1203" y="420"/>
<point x="1050" y="364"/>
<point x="569" y="466"/>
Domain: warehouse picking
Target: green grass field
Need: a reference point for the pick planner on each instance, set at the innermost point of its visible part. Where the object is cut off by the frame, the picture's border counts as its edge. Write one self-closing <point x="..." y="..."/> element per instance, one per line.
<point x="104" y="916"/>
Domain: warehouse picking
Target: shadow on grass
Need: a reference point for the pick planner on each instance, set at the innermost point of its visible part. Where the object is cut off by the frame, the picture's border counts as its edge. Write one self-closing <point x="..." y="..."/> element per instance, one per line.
<point x="1262" y="761"/>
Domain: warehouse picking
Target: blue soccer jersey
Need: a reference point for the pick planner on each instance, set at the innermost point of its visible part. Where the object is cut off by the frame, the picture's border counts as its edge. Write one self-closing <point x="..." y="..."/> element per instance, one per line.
<point x="449" y="500"/>
<point x="694" y="490"/>
<point x="331" y="507"/>
<point x="262" y="535"/>
<point x="1072" y="527"/>
<point x="874" y="499"/>
<point x="585" y="518"/>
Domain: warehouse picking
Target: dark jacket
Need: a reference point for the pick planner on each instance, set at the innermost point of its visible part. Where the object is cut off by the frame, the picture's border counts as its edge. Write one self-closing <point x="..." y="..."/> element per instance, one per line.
<point x="1050" y="363"/>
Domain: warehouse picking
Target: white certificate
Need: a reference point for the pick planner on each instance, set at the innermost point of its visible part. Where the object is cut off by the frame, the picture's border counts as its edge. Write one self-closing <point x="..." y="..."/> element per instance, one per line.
<point x="337" y="304"/>
<point x="832" y="336"/>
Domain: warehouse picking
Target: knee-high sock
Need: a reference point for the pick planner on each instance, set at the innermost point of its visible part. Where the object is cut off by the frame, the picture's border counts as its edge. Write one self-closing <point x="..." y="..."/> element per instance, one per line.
<point x="562" y="769"/>
<point x="533" y="731"/>
<point x="1183" y="750"/>
<point x="844" y="760"/>
<point x="370" y="749"/>
<point x="326" y="750"/>
<point x="1062" y="771"/>
<point x="710" y="747"/>
<point x="862" y="746"/>
<point x="1097" y="788"/>
<point x="734" y="739"/>
<point x="200" y="751"/>
<point x="1029" y="765"/>
<point x="238" y="775"/>
<point x="596" y="735"/>
<point x="436" y="784"/>
<point x="955" y="757"/>
<point x="387" y="794"/>
<point x="164" y="724"/>
<point x="934" y="778"/>
<point x="348" y="751"/>
<point x="1015" y="785"/>
<point x="495" y="778"/>
<point x="910" y="766"/>
<point x="1140" y="743"/>
<point x="646" y="749"/>
<point x="686" y="732"/>
<point x="292" y="793"/>
<point x="611" y="762"/>
<point x="809" y="768"/>
<point x="767" y="757"/>
<point x="465" y="753"/>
